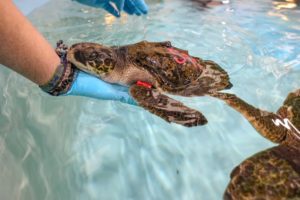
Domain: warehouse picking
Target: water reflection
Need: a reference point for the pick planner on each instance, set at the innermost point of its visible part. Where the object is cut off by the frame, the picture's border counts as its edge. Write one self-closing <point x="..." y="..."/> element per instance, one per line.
<point x="286" y="4"/>
<point x="280" y="6"/>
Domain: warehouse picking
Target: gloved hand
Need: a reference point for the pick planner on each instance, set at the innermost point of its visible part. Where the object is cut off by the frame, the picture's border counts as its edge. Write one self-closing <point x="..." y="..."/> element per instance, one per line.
<point x="137" y="7"/>
<point x="90" y="86"/>
<point x="68" y="80"/>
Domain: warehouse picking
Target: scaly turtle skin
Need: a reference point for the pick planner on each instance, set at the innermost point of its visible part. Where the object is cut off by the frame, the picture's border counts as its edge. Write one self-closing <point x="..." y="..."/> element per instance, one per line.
<point x="164" y="67"/>
<point x="274" y="173"/>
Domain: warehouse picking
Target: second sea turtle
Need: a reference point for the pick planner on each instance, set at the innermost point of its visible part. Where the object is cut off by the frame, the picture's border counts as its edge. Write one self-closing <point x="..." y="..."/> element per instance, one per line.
<point x="273" y="173"/>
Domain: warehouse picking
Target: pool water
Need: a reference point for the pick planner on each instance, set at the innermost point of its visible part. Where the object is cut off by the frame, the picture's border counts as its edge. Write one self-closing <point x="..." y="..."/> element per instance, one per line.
<point x="59" y="148"/>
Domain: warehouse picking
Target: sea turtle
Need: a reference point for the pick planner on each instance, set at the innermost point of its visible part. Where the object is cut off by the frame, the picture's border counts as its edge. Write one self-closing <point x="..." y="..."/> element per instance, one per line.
<point x="150" y="68"/>
<point x="273" y="173"/>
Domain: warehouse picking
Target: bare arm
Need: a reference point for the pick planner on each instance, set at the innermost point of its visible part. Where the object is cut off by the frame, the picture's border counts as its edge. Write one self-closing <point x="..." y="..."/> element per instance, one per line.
<point x="23" y="48"/>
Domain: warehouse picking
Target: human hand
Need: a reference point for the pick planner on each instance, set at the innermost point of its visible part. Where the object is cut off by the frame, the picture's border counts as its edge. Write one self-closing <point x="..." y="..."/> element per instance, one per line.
<point x="137" y="7"/>
<point x="90" y="86"/>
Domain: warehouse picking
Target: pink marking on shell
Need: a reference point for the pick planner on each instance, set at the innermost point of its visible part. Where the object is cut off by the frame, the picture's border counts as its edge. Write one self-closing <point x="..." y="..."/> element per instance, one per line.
<point x="180" y="60"/>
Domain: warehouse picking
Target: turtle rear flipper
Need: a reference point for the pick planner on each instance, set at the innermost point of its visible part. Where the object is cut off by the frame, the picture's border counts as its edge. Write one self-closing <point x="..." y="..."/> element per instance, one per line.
<point x="271" y="174"/>
<point x="212" y="79"/>
<point x="215" y="77"/>
<point x="291" y="108"/>
<point x="166" y="107"/>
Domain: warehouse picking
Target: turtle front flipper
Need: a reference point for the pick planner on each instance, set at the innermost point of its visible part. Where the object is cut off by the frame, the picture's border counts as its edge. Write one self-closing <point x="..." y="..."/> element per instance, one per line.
<point x="271" y="174"/>
<point x="166" y="107"/>
<point x="291" y="108"/>
<point x="262" y="121"/>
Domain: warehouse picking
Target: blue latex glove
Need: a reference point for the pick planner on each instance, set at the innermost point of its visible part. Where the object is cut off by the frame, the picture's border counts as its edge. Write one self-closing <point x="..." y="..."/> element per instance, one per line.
<point x="90" y="86"/>
<point x="137" y="7"/>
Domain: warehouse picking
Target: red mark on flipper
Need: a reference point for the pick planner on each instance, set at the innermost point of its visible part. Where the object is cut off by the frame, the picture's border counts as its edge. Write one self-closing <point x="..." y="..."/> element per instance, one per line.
<point x="144" y="84"/>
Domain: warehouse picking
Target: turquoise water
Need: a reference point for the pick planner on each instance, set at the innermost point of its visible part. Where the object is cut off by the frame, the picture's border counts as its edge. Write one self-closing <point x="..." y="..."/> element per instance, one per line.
<point x="59" y="148"/>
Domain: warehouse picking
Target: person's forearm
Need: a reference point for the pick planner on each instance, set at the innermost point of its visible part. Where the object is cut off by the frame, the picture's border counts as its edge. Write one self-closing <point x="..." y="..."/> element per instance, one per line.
<point x="23" y="48"/>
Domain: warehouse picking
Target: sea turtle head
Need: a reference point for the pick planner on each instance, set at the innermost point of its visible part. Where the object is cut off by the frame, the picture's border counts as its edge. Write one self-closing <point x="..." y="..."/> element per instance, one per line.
<point x="92" y="58"/>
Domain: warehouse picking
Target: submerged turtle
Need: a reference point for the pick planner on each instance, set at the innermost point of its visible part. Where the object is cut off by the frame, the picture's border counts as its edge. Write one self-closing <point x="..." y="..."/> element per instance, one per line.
<point x="150" y="68"/>
<point x="273" y="173"/>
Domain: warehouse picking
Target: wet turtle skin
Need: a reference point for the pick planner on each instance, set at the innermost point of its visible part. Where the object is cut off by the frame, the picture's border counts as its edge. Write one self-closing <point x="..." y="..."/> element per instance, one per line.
<point x="273" y="173"/>
<point x="166" y="68"/>
<point x="176" y="72"/>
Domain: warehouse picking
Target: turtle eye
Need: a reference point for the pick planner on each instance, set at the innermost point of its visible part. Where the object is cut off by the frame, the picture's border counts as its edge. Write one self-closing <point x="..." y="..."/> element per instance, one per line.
<point x="93" y="55"/>
<point x="102" y="56"/>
